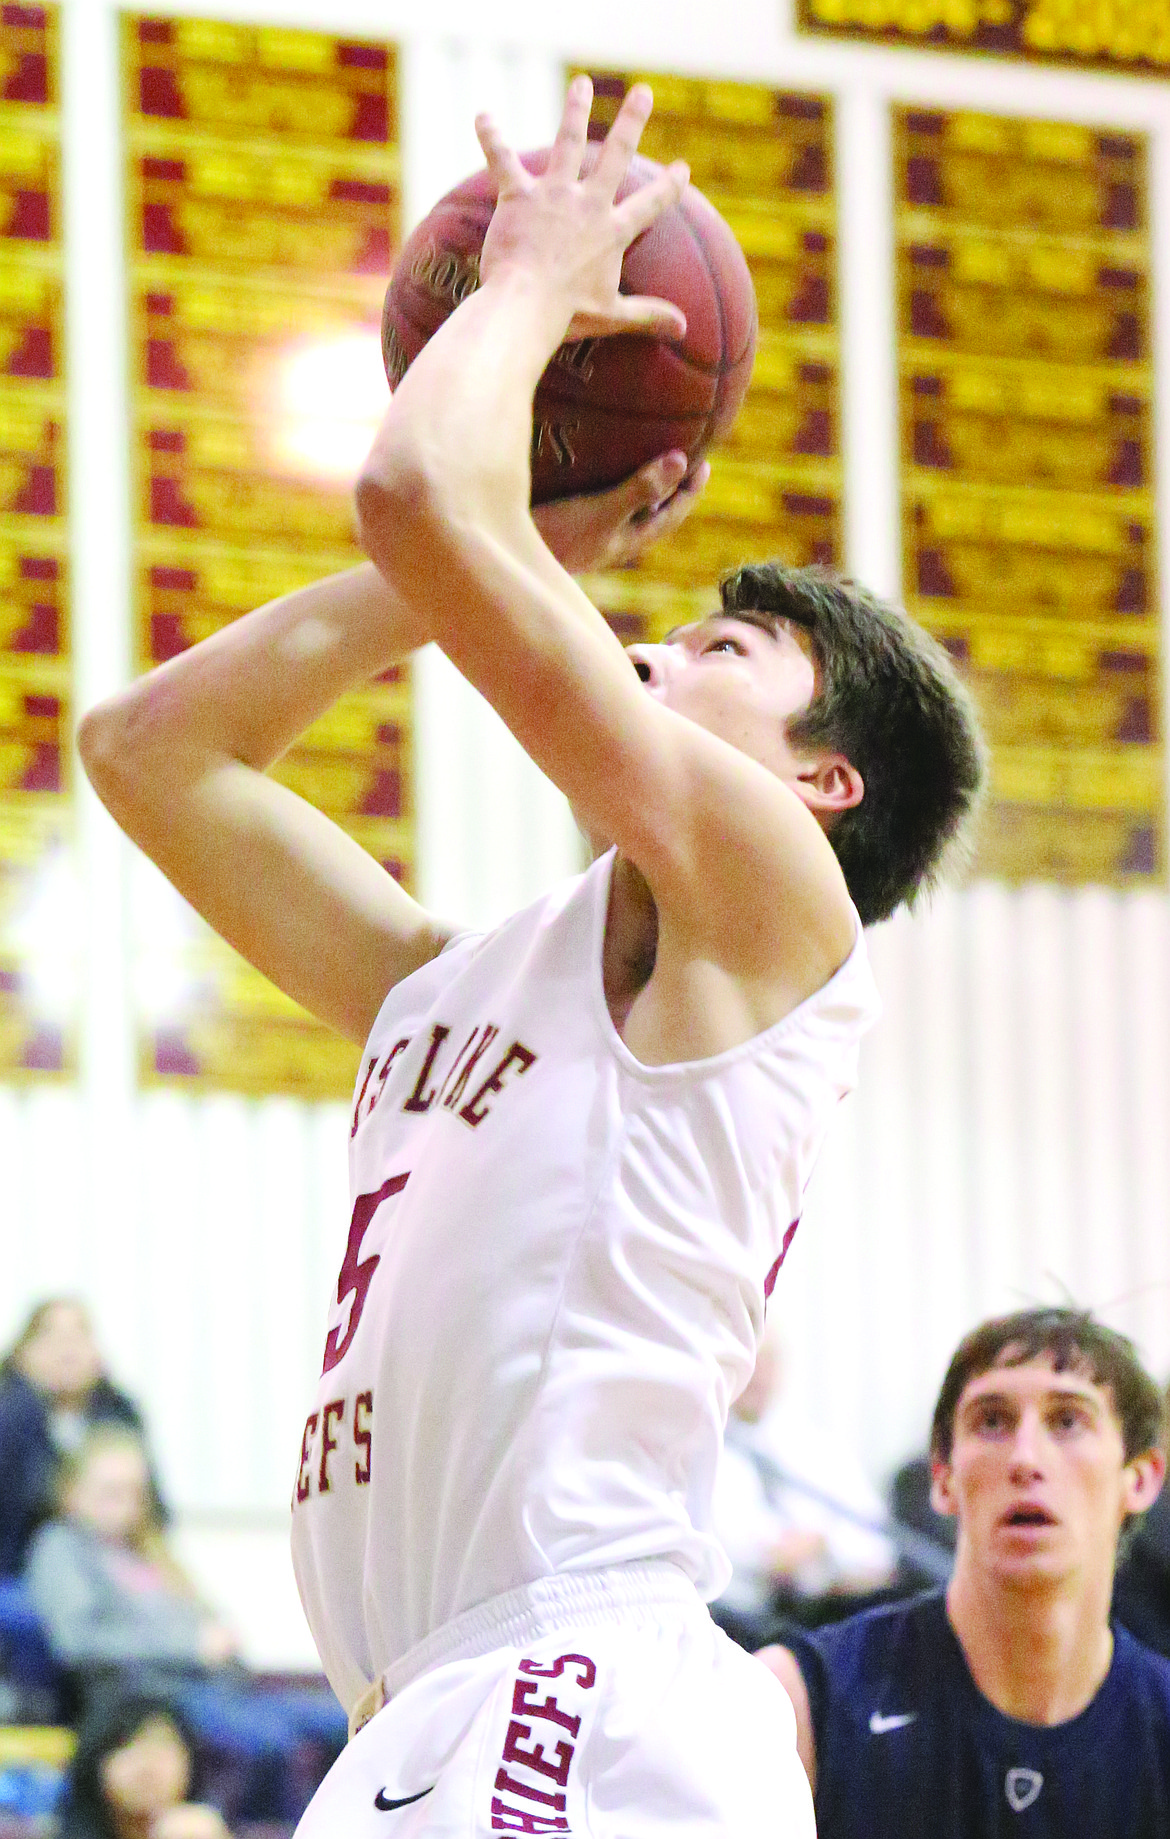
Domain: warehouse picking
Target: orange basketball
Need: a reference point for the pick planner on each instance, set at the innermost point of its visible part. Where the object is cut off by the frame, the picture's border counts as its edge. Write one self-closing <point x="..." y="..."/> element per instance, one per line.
<point x="604" y="406"/>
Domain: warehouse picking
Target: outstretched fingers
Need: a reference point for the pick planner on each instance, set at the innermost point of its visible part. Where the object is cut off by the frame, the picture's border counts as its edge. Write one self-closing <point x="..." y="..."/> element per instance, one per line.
<point x="621" y="143"/>
<point x="503" y="161"/>
<point x="564" y="161"/>
<point x="637" y="212"/>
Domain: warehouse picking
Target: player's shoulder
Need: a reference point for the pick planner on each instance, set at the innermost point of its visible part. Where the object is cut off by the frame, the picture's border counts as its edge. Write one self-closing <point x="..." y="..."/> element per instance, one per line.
<point x="906" y="1646"/>
<point x="918" y="1619"/>
<point x="1141" y="1671"/>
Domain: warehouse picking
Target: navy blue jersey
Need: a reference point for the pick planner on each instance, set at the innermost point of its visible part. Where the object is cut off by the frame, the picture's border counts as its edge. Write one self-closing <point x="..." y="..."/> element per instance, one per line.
<point x="909" y="1748"/>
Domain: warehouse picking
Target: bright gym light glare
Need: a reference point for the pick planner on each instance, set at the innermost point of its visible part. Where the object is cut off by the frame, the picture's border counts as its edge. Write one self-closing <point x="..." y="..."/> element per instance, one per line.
<point x="331" y="397"/>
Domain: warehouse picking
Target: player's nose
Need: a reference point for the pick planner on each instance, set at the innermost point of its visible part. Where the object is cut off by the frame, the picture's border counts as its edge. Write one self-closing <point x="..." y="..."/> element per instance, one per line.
<point x="651" y="663"/>
<point x="1026" y="1453"/>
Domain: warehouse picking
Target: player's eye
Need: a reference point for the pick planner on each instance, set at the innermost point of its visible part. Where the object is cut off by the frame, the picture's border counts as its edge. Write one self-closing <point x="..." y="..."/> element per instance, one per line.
<point x="725" y="643"/>
<point x="991" y="1420"/>
<point x="1067" y="1417"/>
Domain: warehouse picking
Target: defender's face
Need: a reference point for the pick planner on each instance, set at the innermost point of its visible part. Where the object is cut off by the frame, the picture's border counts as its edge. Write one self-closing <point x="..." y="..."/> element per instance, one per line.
<point x="741" y="676"/>
<point x="1038" y="1477"/>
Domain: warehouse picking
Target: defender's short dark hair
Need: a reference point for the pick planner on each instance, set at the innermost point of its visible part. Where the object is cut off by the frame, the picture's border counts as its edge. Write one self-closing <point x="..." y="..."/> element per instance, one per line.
<point x="891" y="702"/>
<point x="1076" y="1343"/>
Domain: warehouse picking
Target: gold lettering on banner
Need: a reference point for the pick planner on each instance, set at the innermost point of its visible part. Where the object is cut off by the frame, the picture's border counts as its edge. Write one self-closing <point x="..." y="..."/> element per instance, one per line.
<point x="262" y="216"/>
<point x="1125" y="34"/>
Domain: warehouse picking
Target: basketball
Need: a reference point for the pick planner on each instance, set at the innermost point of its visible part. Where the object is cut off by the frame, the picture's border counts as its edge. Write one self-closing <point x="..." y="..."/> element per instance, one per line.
<point x="604" y="406"/>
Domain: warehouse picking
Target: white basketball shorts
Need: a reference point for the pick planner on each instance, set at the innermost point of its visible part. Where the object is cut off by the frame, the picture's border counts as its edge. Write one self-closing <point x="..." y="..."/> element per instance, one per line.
<point x="602" y="1705"/>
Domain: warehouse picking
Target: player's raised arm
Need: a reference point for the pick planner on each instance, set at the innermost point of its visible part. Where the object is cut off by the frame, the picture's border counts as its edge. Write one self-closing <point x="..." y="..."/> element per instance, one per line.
<point x="443" y="503"/>
<point x="179" y="758"/>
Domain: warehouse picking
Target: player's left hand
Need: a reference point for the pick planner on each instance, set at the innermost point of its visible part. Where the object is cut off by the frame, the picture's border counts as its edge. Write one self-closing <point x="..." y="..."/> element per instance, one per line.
<point x="599" y="530"/>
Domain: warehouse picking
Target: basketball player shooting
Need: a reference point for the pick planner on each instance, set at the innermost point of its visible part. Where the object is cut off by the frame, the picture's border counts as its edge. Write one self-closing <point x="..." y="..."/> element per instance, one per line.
<point x="580" y="1141"/>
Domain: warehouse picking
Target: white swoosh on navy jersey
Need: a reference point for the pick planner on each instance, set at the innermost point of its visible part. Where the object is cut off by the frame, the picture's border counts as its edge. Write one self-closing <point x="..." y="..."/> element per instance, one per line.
<point x="879" y="1724"/>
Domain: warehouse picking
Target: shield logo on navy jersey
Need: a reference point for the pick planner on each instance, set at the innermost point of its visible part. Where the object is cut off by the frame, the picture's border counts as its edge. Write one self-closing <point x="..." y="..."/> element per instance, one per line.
<point x="1021" y="1787"/>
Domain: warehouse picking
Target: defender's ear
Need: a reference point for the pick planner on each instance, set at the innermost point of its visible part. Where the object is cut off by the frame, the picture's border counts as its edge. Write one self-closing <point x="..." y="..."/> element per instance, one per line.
<point x="830" y="785"/>
<point x="1143" y="1480"/>
<point x="942" y="1493"/>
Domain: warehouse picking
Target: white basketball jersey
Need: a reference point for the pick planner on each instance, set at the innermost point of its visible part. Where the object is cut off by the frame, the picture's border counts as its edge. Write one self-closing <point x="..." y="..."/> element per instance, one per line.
<point x="554" y="1284"/>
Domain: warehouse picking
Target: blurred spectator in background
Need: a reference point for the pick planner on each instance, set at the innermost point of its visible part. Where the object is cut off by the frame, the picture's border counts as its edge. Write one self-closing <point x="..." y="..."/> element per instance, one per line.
<point x="912" y="1508"/>
<point x="117" y="1606"/>
<point x="953" y="1715"/>
<point x="134" y="1767"/>
<point x="796" y="1514"/>
<point x="190" y="1821"/>
<point x="103" y="1580"/>
<point x="53" y="1389"/>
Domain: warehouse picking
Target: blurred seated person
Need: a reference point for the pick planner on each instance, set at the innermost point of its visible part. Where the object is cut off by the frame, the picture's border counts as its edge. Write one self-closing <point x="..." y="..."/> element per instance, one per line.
<point x="1008" y="1702"/>
<point x="190" y="1821"/>
<point x="1141" y="1589"/>
<point x="53" y="1389"/>
<point x="798" y="1518"/>
<point x="133" y="1769"/>
<point x="117" y="1606"/>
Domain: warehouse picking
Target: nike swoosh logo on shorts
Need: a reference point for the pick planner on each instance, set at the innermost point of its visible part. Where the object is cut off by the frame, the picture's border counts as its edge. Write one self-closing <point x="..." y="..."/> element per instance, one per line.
<point x="879" y="1724"/>
<point x="387" y="1806"/>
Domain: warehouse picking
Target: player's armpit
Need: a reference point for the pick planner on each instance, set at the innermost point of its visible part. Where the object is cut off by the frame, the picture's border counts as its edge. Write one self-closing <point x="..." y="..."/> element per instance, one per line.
<point x="178" y="760"/>
<point x="781" y="1662"/>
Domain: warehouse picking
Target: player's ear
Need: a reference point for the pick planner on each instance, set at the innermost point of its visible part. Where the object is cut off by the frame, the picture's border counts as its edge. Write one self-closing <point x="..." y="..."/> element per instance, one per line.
<point x="1142" y="1482"/>
<point x="942" y="1493"/>
<point x="830" y="785"/>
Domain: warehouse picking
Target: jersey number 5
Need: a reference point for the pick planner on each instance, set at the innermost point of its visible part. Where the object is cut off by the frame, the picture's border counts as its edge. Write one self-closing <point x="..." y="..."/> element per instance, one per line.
<point x="357" y="1272"/>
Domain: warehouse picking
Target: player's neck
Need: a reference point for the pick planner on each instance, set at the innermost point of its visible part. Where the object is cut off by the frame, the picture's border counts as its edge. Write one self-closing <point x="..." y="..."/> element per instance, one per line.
<point x="1040" y="1654"/>
<point x="631" y="940"/>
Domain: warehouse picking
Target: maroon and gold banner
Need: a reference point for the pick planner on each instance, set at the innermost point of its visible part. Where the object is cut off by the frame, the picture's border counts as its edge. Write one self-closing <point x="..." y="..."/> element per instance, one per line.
<point x="765" y="160"/>
<point x="1123" y="35"/>
<point x="1025" y="370"/>
<point x="262" y="212"/>
<point x="39" y="939"/>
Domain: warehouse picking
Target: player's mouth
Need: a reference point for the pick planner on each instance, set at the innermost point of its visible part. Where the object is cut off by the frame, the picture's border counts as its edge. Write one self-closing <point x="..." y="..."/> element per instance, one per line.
<point x="1029" y="1516"/>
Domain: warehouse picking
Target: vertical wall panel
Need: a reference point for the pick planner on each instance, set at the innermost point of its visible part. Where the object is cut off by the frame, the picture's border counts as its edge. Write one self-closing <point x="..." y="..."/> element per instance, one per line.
<point x="1045" y="1047"/>
<point x="1145" y="1027"/>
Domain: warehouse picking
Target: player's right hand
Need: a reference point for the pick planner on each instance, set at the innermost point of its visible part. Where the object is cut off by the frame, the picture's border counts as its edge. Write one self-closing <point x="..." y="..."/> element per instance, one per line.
<point x="566" y="227"/>
<point x="612" y="529"/>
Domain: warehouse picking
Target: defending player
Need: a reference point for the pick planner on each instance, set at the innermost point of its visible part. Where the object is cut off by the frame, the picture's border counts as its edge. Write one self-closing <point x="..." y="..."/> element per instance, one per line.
<point x="1009" y="1703"/>
<point x="579" y="1142"/>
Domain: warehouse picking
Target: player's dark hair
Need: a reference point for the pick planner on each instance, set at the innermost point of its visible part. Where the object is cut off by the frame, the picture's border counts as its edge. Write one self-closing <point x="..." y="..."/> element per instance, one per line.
<point x="889" y="700"/>
<point x="1076" y="1343"/>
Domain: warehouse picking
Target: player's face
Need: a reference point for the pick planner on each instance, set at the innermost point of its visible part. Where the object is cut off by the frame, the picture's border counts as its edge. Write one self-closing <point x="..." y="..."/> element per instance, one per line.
<point x="741" y="676"/>
<point x="1038" y="1476"/>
